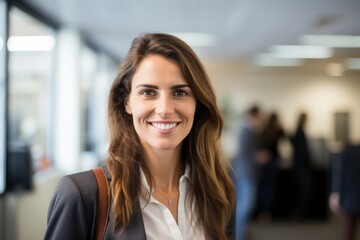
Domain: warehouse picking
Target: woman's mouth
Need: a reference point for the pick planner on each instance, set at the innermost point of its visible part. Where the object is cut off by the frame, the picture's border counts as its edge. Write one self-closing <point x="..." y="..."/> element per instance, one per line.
<point x="164" y="126"/>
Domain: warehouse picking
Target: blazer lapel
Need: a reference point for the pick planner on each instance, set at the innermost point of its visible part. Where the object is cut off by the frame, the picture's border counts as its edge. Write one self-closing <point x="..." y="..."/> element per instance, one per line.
<point x="136" y="230"/>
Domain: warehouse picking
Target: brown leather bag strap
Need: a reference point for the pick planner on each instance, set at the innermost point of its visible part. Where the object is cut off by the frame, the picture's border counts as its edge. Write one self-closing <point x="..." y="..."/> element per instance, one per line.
<point x="102" y="212"/>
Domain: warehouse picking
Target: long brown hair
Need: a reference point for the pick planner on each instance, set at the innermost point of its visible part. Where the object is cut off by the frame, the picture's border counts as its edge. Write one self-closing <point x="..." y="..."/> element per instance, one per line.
<point x="211" y="190"/>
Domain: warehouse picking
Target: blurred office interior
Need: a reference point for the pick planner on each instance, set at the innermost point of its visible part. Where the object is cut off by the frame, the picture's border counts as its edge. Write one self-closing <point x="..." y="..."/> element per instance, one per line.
<point x="59" y="58"/>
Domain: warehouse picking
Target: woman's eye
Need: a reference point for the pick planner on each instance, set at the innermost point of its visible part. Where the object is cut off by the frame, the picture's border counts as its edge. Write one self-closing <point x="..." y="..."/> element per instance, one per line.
<point x="180" y="93"/>
<point x="147" y="93"/>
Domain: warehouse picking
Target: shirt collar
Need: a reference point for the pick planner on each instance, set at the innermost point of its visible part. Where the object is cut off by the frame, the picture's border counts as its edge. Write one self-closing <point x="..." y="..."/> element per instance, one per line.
<point x="186" y="174"/>
<point x="145" y="182"/>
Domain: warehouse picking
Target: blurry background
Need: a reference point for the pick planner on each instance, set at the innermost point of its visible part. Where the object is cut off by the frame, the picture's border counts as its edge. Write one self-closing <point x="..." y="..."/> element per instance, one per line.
<point x="59" y="58"/>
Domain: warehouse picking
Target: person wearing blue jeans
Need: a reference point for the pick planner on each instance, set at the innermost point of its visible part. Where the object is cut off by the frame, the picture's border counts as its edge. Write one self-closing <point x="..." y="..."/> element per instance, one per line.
<point x="245" y="195"/>
<point x="245" y="164"/>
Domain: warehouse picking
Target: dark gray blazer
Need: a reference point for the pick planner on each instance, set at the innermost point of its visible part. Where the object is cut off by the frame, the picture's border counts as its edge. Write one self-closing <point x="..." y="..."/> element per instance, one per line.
<point x="73" y="209"/>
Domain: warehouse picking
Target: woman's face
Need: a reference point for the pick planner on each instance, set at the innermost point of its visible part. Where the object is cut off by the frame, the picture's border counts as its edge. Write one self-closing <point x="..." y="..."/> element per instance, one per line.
<point x="161" y="102"/>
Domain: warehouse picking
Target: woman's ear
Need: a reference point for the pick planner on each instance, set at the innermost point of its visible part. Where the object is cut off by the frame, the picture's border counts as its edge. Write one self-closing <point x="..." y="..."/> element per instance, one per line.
<point x="127" y="107"/>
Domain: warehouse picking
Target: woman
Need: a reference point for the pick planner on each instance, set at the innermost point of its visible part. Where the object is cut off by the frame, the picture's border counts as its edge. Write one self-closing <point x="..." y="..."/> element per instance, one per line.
<point x="167" y="176"/>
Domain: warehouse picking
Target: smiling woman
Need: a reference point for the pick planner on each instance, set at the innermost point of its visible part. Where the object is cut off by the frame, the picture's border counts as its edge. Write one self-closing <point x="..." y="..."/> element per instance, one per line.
<point x="165" y="170"/>
<point x="161" y="103"/>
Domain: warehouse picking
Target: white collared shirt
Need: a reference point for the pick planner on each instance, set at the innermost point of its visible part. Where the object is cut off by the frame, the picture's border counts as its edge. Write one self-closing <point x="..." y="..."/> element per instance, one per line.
<point x="160" y="223"/>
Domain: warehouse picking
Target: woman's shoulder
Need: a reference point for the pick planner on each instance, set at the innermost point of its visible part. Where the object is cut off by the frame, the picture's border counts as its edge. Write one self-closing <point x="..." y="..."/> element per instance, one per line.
<point x="83" y="182"/>
<point x="77" y="189"/>
<point x="72" y="209"/>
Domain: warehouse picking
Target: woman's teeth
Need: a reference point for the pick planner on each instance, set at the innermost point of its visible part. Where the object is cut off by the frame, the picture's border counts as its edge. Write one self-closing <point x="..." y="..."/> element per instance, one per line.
<point x="163" y="126"/>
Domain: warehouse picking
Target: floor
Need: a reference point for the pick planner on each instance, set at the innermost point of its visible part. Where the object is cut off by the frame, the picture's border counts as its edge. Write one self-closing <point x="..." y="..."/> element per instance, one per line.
<point x="318" y="230"/>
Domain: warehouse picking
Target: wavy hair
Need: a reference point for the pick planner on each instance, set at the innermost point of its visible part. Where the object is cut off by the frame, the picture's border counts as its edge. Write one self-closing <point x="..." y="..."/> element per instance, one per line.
<point x="211" y="190"/>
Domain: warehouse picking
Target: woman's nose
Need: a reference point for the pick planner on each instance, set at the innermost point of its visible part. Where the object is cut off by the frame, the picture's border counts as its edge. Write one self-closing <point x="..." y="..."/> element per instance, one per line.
<point x="164" y="106"/>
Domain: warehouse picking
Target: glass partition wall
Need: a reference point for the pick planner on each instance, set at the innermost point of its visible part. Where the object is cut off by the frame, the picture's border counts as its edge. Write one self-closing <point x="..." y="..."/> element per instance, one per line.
<point x="31" y="49"/>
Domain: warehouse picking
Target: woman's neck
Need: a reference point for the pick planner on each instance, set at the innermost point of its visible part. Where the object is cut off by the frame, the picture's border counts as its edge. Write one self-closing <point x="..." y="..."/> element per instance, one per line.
<point x="166" y="168"/>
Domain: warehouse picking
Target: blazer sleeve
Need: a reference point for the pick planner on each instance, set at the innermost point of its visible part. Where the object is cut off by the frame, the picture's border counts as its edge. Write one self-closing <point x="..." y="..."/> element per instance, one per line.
<point x="68" y="215"/>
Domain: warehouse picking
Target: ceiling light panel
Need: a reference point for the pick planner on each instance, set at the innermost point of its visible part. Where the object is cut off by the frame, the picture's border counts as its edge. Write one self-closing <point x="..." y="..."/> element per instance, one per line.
<point x="301" y="51"/>
<point x="334" y="41"/>
<point x="269" y="60"/>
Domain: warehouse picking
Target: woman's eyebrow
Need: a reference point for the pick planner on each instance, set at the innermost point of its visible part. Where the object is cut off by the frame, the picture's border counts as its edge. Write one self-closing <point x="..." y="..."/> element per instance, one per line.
<point x="180" y="86"/>
<point x="147" y="86"/>
<point x="156" y="87"/>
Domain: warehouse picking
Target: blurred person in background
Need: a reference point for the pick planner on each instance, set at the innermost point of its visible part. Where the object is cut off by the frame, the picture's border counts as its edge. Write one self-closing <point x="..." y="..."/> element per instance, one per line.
<point x="345" y="190"/>
<point x="165" y="169"/>
<point x="268" y="172"/>
<point x="245" y="166"/>
<point x="301" y="168"/>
